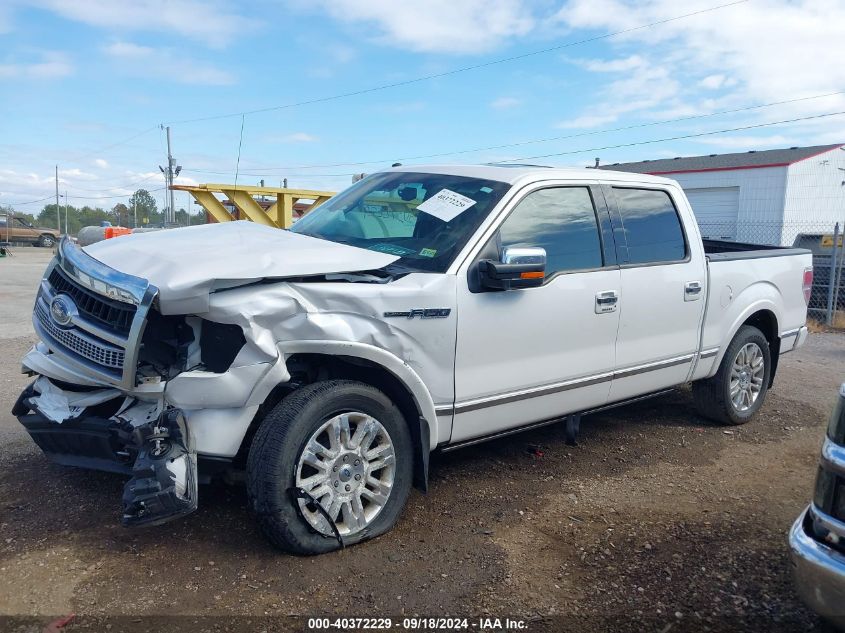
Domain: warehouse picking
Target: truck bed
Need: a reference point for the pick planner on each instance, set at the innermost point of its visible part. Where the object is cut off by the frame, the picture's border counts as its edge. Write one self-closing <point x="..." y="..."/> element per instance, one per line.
<point x="719" y="250"/>
<point x="750" y="277"/>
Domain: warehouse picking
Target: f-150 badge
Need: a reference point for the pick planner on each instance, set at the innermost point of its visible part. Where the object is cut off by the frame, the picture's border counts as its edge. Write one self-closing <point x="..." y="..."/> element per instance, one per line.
<point x="423" y="313"/>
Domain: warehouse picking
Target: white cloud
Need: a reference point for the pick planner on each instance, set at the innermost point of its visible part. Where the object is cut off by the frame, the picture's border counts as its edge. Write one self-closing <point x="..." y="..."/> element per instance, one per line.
<point x="751" y="142"/>
<point x="613" y="65"/>
<point x="505" y="103"/>
<point x="165" y="63"/>
<point x="297" y="137"/>
<point x="102" y="164"/>
<point x="640" y="87"/>
<point x="50" y="65"/>
<point x="587" y="121"/>
<point x="712" y="82"/>
<point x="66" y="175"/>
<point x="765" y="51"/>
<point x="437" y="26"/>
<point x="212" y="21"/>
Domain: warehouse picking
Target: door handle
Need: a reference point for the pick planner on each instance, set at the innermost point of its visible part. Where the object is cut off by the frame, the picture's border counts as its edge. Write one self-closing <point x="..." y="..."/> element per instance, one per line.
<point x="692" y="290"/>
<point x="606" y="301"/>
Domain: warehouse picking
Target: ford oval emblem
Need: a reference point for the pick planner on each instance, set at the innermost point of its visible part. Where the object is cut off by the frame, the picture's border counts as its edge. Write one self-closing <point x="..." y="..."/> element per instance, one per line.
<point x="62" y="309"/>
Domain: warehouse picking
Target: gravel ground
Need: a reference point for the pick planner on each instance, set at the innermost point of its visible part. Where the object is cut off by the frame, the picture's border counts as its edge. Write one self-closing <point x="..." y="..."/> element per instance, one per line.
<point x="658" y="520"/>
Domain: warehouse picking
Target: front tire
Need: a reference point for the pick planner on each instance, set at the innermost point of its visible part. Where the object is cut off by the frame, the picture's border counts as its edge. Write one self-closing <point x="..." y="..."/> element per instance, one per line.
<point x="738" y="389"/>
<point x="347" y="445"/>
<point x="47" y="241"/>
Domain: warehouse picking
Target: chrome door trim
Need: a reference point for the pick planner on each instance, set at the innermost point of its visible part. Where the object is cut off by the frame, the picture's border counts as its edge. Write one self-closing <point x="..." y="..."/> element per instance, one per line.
<point x="567" y="385"/>
<point x="708" y="353"/>
<point x="790" y="333"/>
<point x="660" y="364"/>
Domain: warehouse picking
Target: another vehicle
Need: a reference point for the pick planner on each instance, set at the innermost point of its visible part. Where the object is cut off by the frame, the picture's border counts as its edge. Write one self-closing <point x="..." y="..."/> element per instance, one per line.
<point x="14" y="229"/>
<point x="817" y="539"/>
<point x="422" y="309"/>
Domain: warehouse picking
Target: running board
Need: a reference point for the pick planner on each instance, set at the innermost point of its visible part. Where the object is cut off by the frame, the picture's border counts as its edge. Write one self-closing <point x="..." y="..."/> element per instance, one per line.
<point x="572" y="420"/>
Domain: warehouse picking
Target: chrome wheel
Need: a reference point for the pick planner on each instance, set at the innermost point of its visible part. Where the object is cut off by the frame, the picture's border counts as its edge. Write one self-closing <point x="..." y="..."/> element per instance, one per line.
<point x="348" y="465"/>
<point x="747" y="375"/>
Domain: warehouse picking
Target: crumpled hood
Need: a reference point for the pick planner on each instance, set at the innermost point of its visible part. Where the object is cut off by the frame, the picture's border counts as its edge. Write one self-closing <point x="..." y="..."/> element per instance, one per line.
<point x="186" y="264"/>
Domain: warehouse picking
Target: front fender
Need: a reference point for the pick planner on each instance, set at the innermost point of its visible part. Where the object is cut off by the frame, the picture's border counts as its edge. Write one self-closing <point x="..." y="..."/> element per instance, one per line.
<point x="401" y="370"/>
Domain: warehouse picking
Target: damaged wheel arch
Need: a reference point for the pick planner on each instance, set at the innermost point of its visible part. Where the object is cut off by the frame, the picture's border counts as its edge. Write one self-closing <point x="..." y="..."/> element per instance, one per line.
<point x="307" y="368"/>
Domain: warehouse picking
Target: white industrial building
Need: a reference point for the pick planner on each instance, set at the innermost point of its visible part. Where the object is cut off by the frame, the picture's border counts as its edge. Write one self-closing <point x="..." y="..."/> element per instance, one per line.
<point x="765" y="196"/>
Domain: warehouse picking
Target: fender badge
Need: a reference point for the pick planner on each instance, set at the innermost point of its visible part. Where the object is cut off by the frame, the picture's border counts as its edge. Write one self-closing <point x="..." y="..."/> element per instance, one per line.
<point x="423" y="313"/>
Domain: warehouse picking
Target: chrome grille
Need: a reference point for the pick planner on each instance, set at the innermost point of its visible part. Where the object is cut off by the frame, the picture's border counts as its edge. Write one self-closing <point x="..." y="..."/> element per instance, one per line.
<point x="107" y="314"/>
<point x="104" y="312"/>
<point x="83" y="345"/>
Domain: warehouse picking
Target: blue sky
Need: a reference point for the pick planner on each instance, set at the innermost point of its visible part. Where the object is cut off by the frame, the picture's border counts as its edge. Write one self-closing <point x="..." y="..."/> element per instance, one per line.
<point x="87" y="83"/>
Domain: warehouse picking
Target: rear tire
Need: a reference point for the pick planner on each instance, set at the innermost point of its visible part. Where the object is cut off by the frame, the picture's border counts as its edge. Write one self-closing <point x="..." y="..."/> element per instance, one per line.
<point x="365" y="485"/>
<point x="738" y="389"/>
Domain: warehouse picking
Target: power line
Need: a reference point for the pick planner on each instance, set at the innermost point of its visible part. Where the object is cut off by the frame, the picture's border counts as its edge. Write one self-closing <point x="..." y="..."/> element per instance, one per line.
<point x="674" y="138"/>
<point x="263" y="171"/>
<point x="111" y="197"/>
<point x="456" y="71"/>
<point x="19" y="204"/>
<point x="651" y="141"/>
<point x="115" y="144"/>
<point x="571" y="152"/>
<point x="124" y="186"/>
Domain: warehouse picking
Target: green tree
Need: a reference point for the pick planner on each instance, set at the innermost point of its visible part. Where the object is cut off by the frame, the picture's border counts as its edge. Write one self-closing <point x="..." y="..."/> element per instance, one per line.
<point x="122" y="214"/>
<point x="48" y="217"/>
<point x="147" y="207"/>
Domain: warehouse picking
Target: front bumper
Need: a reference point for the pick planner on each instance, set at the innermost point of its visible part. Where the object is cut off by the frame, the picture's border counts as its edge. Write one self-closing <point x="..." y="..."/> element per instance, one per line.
<point x="157" y="454"/>
<point x="819" y="572"/>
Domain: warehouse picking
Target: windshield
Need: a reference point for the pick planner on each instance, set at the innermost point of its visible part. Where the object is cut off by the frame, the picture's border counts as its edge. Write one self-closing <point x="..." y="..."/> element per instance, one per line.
<point x="425" y="219"/>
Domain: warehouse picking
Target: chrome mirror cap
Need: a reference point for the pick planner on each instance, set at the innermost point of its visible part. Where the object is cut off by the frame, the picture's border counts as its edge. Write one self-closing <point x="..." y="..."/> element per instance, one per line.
<point x="524" y="255"/>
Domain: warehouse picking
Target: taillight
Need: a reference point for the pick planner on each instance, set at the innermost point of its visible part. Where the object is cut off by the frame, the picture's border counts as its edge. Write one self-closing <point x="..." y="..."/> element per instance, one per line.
<point x="808" y="284"/>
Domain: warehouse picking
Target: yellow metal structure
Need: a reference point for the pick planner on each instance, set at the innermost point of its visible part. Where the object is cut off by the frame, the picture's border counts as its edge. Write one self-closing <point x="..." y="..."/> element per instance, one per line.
<point x="279" y="213"/>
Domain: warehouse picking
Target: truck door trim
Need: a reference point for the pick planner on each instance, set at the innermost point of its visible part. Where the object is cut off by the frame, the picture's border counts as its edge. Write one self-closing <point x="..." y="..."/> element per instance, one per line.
<point x="545" y="390"/>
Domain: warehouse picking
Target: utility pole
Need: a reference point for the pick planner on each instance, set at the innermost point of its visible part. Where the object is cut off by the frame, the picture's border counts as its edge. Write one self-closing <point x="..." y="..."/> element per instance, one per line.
<point x="58" y="210"/>
<point x="67" y="232"/>
<point x="135" y="214"/>
<point x="172" y="171"/>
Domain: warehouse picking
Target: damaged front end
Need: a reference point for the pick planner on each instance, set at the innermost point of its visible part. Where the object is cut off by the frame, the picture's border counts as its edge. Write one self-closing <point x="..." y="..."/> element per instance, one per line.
<point x="120" y="383"/>
<point x="103" y="430"/>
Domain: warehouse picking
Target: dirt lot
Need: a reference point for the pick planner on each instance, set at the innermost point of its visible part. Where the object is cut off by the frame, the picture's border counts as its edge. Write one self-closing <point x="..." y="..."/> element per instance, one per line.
<point x="658" y="521"/>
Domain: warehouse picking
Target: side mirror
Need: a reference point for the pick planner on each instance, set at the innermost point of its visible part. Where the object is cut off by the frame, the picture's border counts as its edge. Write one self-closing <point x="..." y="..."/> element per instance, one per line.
<point x="521" y="267"/>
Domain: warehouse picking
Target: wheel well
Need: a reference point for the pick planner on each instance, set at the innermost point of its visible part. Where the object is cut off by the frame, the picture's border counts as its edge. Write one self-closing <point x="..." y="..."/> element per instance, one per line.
<point x="767" y="323"/>
<point x="306" y="369"/>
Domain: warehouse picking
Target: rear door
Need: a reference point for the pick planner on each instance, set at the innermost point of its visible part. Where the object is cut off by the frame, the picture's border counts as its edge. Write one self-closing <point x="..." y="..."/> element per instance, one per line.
<point x="663" y="289"/>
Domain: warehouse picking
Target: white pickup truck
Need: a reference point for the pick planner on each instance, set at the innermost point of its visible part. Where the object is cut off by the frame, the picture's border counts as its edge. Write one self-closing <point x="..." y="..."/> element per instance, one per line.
<point x="424" y="308"/>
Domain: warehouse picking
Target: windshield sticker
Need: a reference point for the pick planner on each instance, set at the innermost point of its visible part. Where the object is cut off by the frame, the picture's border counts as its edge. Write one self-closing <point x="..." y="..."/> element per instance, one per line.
<point x="486" y="190"/>
<point x="392" y="249"/>
<point x="428" y="252"/>
<point x="446" y="205"/>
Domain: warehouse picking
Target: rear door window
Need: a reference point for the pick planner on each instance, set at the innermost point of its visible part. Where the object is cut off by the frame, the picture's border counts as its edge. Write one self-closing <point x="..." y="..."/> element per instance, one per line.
<point x="651" y="225"/>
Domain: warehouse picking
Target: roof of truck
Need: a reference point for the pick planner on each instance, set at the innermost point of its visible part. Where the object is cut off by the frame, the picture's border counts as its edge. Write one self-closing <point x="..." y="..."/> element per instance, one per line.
<point x="513" y="174"/>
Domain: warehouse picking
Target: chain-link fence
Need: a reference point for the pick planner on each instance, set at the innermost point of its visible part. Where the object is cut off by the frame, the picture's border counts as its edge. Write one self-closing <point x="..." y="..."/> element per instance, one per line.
<point x="827" y="299"/>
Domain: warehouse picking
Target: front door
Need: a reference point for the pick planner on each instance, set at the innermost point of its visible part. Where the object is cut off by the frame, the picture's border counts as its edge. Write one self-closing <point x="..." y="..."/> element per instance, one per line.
<point x="532" y="354"/>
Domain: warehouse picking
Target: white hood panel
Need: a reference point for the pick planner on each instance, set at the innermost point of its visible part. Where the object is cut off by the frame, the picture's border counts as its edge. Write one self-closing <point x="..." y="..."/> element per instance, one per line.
<point x="187" y="264"/>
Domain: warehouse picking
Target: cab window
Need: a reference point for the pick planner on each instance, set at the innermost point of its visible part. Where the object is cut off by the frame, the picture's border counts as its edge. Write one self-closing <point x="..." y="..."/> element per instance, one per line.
<point x="562" y="220"/>
<point x="651" y="225"/>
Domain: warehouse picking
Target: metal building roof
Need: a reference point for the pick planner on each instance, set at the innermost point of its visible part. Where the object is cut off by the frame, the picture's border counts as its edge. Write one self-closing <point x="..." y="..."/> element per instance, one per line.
<point x="723" y="162"/>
